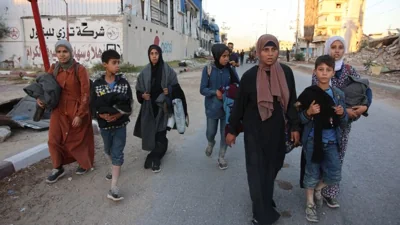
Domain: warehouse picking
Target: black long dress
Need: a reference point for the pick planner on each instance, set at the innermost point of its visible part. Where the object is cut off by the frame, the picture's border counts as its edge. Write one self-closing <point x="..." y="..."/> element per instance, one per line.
<point x="264" y="141"/>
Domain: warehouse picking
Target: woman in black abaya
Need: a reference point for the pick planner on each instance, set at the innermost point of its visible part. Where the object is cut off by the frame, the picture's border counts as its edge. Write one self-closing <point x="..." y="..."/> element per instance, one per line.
<point x="265" y="105"/>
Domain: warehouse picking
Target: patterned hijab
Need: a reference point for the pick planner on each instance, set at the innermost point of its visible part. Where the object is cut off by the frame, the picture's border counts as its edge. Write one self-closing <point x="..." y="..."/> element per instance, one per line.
<point x="327" y="51"/>
<point x="270" y="85"/>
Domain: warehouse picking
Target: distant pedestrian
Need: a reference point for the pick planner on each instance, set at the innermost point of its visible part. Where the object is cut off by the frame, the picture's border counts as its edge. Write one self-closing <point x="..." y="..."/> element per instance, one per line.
<point x="287" y="54"/>
<point x="233" y="57"/>
<point x="112" y="103"/>
<point x="213" y="78"/>
<point x="335" y="47"/>
<point x="241" y="57"/>
<point x="323" y="115"/>
<point x="265" y="104"/>
<point x="70" y="133"/>
<point x="152" y="88"/>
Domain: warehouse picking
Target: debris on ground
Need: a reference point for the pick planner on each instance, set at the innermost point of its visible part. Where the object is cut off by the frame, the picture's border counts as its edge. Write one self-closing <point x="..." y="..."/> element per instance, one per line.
<point x="5" y="132"/>
<point x="380" y="57"/>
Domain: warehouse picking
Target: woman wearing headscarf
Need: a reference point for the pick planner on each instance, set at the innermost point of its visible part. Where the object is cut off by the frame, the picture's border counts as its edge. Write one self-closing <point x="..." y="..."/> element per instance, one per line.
<point x="70" y="133"/>
<point x="215" y="77"/>
<point x="335" y="47"/>
<point x="152" y="87"/>
<point x="265" y="104"/>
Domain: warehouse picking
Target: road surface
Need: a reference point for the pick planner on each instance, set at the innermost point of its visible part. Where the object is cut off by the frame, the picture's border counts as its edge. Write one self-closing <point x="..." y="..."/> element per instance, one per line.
<point x="191" y="190"/>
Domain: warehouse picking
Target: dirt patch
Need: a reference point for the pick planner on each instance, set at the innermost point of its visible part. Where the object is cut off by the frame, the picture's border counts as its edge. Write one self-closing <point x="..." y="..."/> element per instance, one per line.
<point x="286" y="214"/>
<point x="285" y="185"/>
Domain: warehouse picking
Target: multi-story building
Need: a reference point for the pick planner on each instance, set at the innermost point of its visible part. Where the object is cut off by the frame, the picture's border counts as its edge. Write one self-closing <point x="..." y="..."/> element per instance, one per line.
<point x="339" y="17"/>
<point x="129" y="26"/>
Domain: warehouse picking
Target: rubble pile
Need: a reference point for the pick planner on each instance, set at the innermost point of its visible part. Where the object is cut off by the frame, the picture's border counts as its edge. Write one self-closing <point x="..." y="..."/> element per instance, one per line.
<point x="379" y="57"/>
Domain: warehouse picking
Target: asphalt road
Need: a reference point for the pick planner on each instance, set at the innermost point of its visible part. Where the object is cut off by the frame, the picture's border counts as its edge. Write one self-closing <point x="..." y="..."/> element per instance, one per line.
<point x="191" y="190"/>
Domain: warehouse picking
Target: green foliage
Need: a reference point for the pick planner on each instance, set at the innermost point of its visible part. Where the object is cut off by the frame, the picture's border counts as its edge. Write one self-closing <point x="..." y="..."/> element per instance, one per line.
<point x="3" y="28"/>
<point x="299" y="56"/>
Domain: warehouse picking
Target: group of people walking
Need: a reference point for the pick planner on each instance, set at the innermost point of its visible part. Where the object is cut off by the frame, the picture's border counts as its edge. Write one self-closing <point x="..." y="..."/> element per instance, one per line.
<point x="272" y="118"/>
<point x="263" y="105"/>
<point x="109" y="99"/>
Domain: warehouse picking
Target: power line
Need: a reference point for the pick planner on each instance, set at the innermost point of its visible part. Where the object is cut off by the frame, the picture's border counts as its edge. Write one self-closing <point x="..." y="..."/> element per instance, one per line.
<point x="370" y="17"/>
<point x="376" y="4"/>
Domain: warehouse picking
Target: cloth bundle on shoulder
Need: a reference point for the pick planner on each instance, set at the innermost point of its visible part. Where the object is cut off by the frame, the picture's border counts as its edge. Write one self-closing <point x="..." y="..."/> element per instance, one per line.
<point x="47" y="90"/>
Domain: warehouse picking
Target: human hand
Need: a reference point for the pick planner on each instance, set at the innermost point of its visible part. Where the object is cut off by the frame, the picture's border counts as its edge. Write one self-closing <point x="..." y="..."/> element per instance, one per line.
<point x="219" y="94"/>
<point x="230" y="139"/>
<point x="351" y="113"/>
<point x="114" y="117"/>
<point x="359" y="109"/>
<point x="295" y="138"/>
<point x="40" y="103"/>
<point x="339" y="110"/>
<point x="313" y="109"/>
<point x="146" y="96"/>
<point x="77" y="121"/>
<point x="165" y="91"/>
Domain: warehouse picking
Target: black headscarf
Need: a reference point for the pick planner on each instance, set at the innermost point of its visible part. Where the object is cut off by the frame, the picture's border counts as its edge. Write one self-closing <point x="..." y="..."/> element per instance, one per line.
<point x="326" y="119"/>
<point x="156" y="77"/>
<point x="160" y="58"/>
<point x="217" y="51"/>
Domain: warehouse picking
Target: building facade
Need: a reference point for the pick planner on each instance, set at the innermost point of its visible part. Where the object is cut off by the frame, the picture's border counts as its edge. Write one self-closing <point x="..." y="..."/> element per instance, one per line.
<point x="128" y="26"/>
<point x="339" y="17"/>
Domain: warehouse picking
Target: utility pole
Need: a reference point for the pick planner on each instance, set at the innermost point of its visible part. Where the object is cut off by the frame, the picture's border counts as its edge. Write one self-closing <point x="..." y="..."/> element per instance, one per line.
<point x="66" y="8"/>
<point x="297" y="26"/>
<point x="40" y="34"/>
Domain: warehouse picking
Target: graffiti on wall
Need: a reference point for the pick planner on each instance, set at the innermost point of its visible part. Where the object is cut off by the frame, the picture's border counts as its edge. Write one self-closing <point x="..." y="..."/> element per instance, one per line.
<point x="81" y="31"/>
<point x="88" y="54"/>
<point x="89" y="38"/>
<point x="166" y="47"/>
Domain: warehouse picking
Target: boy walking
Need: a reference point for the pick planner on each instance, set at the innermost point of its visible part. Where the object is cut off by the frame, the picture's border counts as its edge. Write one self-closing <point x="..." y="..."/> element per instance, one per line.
<point x="112" y="102"/>
<point x="322" y="114"/>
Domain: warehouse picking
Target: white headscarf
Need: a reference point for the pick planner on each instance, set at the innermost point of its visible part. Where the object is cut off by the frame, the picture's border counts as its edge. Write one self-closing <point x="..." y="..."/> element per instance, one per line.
<point x="327" y="51"/>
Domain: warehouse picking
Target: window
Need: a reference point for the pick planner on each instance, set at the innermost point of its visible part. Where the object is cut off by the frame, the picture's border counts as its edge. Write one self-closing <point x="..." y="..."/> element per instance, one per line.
<point x="335" y="32"/>
<point x="338" y="18"/>
<point x="159" y="12"/>
<point x="338" y="5"/>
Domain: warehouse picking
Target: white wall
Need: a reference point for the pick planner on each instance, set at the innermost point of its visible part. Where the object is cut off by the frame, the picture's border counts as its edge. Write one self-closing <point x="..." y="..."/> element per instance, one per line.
<point x="137" y="41"/>
<point x="89" y="37"/>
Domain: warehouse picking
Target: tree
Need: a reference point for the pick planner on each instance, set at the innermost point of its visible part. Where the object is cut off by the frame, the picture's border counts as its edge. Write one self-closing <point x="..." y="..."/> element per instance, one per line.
<point x="3" y="29"/>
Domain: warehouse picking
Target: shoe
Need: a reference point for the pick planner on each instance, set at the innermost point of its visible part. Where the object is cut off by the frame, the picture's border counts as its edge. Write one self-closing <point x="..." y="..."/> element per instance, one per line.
<point x="210" y="148"/>
<point x="80" y="171"/>
<point x="332" y="202"/>
<point x="114" y="195"/>
<point x="254" y="222"/>
<point x="311" y="213"/>
<point x="222" y="164"/>
<point x="55" y="175"/>
<point x="109" y="176"/>
<point x="148" y="163"/>
<point x="156" y="166"/>
<point x="318" y="199"/>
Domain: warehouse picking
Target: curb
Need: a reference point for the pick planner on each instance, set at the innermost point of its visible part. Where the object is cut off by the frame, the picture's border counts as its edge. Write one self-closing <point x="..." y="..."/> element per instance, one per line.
<point x="392" y="87"/>
<point x="24" y="159"/>
<point x="33" y="155"/>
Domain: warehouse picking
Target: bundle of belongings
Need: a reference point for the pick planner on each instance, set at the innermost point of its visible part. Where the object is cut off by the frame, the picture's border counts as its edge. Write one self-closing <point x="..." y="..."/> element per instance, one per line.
<point x="113" y="103"/>
<point x="178" y="117"/>
<point x="47" y="90"/>
<point x="357" y="92"/>
<point x="229" y="94"/>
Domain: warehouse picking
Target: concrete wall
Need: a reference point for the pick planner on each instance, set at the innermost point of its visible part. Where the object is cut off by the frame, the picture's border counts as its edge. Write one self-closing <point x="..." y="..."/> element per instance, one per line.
<point x="139" y="35"/>
<point x="89" y="37"/>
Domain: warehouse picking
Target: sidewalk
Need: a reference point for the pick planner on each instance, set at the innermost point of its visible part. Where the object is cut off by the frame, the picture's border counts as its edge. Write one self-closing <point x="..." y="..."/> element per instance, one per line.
<point x="374" y="81"/>
<point x="19" y="154"/>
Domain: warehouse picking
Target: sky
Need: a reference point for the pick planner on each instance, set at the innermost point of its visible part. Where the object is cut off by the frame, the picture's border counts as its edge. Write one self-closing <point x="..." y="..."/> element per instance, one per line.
<point x="247" y="19"/>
